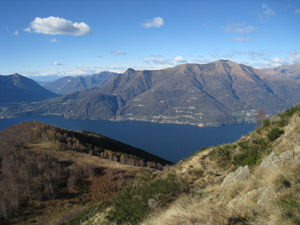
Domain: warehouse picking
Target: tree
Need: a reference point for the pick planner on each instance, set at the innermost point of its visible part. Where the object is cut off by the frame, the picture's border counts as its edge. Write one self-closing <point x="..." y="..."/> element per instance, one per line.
<point x="260" y="117"/>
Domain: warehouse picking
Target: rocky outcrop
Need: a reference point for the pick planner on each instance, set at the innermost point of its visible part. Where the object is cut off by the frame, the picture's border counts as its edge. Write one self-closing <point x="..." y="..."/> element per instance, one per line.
<point x="241" y="174"/>
<point x="277" y="159"/>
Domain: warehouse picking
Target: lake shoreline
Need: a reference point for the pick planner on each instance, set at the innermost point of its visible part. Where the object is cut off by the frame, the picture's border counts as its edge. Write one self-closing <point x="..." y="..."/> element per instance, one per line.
<point x="169" y="141"/>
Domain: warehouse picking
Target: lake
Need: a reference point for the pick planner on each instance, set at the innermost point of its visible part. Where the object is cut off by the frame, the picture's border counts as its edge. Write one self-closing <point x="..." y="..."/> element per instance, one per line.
<point x="170" y="141"/>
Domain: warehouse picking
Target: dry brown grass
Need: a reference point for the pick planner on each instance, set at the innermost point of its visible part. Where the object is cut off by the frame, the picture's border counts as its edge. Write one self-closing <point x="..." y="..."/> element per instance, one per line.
<point x="269" y="196"/>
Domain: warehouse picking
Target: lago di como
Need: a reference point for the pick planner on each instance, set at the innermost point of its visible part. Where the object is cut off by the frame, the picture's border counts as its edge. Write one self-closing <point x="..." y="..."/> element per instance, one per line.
<point x="170" y="141"/>
<point x="149" y="112"/>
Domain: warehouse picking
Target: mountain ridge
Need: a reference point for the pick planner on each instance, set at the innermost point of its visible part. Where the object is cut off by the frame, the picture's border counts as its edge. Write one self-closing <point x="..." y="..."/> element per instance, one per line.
<point x="221" y="92"/>
<point x="17" y="88"/>
<point x="69" y="84"/>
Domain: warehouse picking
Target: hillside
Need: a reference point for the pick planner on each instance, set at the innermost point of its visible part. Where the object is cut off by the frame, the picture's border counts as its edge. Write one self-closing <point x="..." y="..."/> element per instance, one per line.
<point x="252" y="181"/>
<point x="66" y="85"/>
<point x="221" y="92"/>
<point x="17" y="88"/>
<point x="50" y="174"/>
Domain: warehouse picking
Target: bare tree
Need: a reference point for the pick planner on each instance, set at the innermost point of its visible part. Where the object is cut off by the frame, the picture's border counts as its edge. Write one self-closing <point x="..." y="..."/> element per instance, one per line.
<point x="260" y="117"/>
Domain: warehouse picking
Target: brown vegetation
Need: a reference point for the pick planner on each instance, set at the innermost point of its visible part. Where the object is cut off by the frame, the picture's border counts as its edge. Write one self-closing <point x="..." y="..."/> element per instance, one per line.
<point x="42" y="165"/>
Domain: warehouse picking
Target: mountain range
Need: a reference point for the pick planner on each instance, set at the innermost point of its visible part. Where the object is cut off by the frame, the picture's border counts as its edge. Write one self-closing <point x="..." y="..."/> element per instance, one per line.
<point x="17" y="88"/>
<point x="285" y="71"/>
<point x="69" y="84"/>
<point x="221" y="92"/>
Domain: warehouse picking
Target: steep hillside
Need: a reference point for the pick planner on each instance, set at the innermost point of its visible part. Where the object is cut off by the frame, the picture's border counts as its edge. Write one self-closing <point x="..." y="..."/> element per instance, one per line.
<point x="221" y="92"/>
<point x="66" y="85"/>
<point x="49" y="174"/>
<point x="17" y="88"/>
<point x="253" y="181"/>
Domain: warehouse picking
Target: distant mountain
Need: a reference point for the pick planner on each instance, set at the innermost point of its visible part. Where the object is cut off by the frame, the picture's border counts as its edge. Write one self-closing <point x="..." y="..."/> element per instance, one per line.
<point x="66" y="85"/>
<point x="17" y="88"/>
<point x="44" y="78"/>
<point x="287" y="71"/>
<point x="221" y="92"/>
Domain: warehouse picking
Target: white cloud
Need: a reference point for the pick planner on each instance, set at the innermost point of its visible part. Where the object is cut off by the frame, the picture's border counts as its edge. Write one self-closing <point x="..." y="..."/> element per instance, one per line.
<point x="297" y="11"/>
<point x="156" y="60"/>
<point x="178" y="60"/>
<point x="241" y="39"/>
<point x="239" y="28"/>
<point x="268" y="11"/>
<point x="155" y="22"/>
<point x="156" y="55"/>
<point x="56" y="25"/>
<point x="277" y="62"/>
<point x="16" y="33"/>
<point x="56" y="64"/>
<point x="118" y="52"/>
<point x="294" y="56"/>
<point x="53" y="40"/>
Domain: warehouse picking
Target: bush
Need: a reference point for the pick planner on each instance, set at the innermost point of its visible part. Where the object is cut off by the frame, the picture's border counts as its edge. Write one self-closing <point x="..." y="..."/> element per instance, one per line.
<point x="198" y="173"/>
<point x="282" y="122"/>
<point x="266" y="123"/>
<point x="251" y="153"/>
<point x="274" y="133"/>
<point x="131" y="203"/>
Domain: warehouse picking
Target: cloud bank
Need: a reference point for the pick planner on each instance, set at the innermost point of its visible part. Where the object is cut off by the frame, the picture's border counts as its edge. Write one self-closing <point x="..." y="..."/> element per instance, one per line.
<point x="57" y="25"/>
<point x="239" y="28"/>
<point x="118" y="52"/>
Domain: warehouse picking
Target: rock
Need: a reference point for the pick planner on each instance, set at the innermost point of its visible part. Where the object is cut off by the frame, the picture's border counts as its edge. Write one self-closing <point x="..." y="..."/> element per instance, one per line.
<point x="265" y="195"/>
<point x="269" y="160"/>
<point x="297" y="149"/>
<point x="242" y="200"/>
<point x="152" y="203"/>
<point x="274" y="159"/>
<point x="286" y="156"/>
<point x="241" y="174"/>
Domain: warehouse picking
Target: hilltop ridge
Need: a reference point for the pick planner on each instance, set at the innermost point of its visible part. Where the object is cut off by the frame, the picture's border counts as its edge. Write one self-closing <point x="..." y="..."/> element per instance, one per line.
<point x="47" y="171"/>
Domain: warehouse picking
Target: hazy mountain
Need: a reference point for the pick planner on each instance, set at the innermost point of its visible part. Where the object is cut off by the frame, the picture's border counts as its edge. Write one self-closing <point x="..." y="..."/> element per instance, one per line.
<point x="45" y="78"/>
<point x="17" y="88"/>
<point x="66" y="85"/>
<point x="221" y="92"/>
<point x="287" y="71"/>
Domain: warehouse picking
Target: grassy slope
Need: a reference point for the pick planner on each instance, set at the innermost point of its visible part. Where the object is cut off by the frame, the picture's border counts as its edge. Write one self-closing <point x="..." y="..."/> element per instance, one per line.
<point x="269" y="195"/>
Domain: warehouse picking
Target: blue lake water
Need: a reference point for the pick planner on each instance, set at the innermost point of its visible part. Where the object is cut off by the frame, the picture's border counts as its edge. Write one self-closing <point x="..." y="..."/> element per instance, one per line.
<point x="169" y="141"/>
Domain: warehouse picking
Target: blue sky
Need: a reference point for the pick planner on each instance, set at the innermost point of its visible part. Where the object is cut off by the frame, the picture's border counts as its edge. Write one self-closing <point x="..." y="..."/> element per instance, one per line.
<point x="88" y="36"/>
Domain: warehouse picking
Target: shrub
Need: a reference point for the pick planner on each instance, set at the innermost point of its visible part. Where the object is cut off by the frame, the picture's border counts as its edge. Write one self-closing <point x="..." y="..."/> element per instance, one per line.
<point x="274" y="133"/>
<point x="198" y="173"/>
<point x="251" y="153"/>
<point x="282" y="122"/>
<point x="266" y="123"/>
<point x="282" y="182"/>
<point x="131" y="203"/>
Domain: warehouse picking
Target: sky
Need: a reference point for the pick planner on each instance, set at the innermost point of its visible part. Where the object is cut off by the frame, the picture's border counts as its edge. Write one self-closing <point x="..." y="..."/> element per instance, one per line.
<point x="76" y="37"/>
